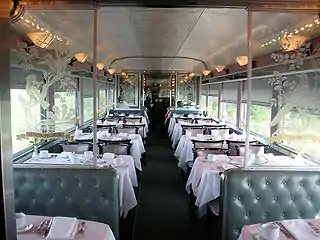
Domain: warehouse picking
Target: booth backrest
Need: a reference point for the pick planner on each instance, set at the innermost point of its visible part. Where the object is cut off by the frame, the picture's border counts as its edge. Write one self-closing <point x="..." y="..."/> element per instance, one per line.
<point x="85" y="193"/>
<point x="259" y="196"/>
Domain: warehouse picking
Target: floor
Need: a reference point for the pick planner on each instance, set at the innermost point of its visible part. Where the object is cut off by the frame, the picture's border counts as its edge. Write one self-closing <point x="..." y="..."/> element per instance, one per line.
<point x="163" y="210"/>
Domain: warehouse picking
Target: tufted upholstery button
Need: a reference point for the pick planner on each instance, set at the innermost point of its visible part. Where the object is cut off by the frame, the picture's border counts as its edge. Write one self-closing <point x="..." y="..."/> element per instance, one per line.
<point x="318" y="182"/>
<point x="275" y="199"/>
<point x="249" y="183"/>
<point x="257" y="198"/>
<point x="282" y="215"/>
<point x="310" y="198"/>
<point x="265" y="215"/>
<point x="301" y="184"/>
<point x="284" y="183"/>
<point x="267" y="183"/>
<point x="292" y="199"/>
<point x="239" y="198"/>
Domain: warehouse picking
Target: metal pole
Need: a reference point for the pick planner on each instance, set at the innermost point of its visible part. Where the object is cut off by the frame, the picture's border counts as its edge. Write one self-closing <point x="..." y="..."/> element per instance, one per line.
<point x="169" y="81"/>
<point x="107" y="93"/>
<point x="176" y="90"/>
<point x="207" y="99"/>
<point x="81" y="101"/>
<point x="249" y="87"/>
<point x="94" y="84"/>
<point x="8" y="224"/>
<point x="219" y="100"/>
<point x="239" y="104"/>
<point x="199" y="90"/>
<point x="115" y="91"/>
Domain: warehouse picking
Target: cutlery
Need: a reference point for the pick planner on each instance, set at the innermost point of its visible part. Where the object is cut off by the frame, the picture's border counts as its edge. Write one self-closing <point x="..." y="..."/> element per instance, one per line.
<point x="314" y="228"/>
<point x="285" y="231"/>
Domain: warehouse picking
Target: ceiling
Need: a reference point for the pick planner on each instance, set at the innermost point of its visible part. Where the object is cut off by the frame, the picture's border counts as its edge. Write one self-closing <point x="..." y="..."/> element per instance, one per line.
<point x="215" y="36"/>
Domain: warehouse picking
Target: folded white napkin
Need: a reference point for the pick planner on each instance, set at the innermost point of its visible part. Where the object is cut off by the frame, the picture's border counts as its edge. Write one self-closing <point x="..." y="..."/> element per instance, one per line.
<point x="63" y="228"/>
<point x="122" y="134"/>
<point x="300" y="230"/>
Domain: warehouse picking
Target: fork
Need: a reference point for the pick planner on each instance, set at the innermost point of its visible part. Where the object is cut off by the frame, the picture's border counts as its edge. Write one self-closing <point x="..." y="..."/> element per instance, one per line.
<point x="314" y="228"/>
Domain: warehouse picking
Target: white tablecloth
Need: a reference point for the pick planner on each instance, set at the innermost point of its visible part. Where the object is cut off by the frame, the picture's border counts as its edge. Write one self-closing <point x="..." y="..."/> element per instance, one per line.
<point x="137" y="148"/>
<point x="92" y="230"/>
<point x="184" y="152"/>
<point x="126" y="174"/>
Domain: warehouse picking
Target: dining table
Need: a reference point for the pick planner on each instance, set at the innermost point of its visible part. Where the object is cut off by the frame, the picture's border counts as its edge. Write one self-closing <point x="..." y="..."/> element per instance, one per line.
<point x="184" y="150"/>
<point x="91" y="230"/>
<point x="123" y="164"/>
<point x="293" y="229"/>
<point x="136" y="150"/>
<point x="205" y="177"/>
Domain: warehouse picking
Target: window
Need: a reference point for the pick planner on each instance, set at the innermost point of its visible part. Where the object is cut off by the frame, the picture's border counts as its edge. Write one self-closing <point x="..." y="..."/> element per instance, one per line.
<point x="87" y="100"/>
<point x="102" y="100"/>
<point x="64" y="110"/>
<point x="25" y="116"/>
<point x="229" y="112"/>
<point x="213" y="106"/>
<point x="259" y="120"/>
<point x="298" y="124"/>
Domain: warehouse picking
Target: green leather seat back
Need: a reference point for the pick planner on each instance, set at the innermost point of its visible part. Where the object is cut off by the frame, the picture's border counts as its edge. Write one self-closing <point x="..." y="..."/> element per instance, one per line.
<point x="85" y="193"/>
<point x="256" y="196"/>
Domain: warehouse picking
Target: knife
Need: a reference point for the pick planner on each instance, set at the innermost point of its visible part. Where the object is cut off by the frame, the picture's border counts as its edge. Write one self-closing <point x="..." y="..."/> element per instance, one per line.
<point x="285" y="231"/>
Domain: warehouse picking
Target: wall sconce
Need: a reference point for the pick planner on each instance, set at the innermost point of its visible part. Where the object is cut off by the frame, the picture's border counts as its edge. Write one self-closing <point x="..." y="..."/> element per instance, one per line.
<point x="16" y="11"/>
<point x="81" y="57"/>
<point x="242" y="60"/>
<point x="100" y="66"/>
<point x="206" y="72"/>
<point x="219" y="68"/>
<point x="111" y="71"/>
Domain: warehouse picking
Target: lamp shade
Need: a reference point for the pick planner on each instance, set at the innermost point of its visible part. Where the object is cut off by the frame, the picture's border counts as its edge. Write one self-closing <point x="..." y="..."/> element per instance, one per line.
<point x="191" y="74"/>
<point x="81" y="57"/>
<point x="206" y="72"/>
<point x="293" y="42"/>
<point x="242" y="60"/>
<point x="100" y="66"/>
<point x="111" y="71"/>
<point x="123" y="74"/>
<point x="41" y="39"/>
<point x="219" y="68"/>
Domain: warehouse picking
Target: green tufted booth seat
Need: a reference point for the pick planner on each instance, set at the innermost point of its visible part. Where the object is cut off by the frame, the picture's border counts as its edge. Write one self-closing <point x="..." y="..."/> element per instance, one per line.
<point x="259" y="196"/>
<point x="82" y="192"/>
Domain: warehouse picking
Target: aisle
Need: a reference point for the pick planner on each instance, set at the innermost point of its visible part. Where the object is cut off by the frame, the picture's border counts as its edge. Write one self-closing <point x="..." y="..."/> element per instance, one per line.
<point x="163" y="211"/>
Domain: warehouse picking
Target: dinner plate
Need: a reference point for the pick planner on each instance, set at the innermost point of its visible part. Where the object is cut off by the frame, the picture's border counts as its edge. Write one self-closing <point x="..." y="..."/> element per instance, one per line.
<point x="25" y="229"/>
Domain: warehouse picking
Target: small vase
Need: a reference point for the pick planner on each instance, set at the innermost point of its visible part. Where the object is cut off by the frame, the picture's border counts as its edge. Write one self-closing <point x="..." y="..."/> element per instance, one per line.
<point x="35" y="152"/>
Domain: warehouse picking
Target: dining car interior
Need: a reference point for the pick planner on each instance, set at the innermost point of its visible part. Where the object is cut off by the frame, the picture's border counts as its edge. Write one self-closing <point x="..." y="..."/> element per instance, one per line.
<point x="147" y="120"/>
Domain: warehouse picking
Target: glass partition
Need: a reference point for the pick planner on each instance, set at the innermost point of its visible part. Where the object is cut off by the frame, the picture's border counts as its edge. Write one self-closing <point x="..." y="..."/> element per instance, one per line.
<point x="286" y="54"/>
<point x="87" y="99"/>
<point x="187" y="90"/>
<point x="128" y="90"/>
<point x="229" y="102"/>
<point x="102" y="97"/>
<point x="45" y="85"/>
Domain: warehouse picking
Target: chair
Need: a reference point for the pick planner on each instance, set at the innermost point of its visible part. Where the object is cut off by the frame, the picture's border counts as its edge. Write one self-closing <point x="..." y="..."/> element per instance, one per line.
<point x="257" y="149"/>
<point x="207" y="144"/>
<point x="121" y="147"/>
<point x="109" y="128"/>
<point x="129" y="130"/>
<point x="75" y="147"/>
<point x="139" y="127"/>
<point x="203" y="120"/>
<point x="234" y="146"/>
<point x="133" y="120"/>
<point x="184" y="119"/>
<point x="203" y="152"/>
<point x="219" y="131"/>
<point x="194" y="130"/>
<point x="114" y="119"/>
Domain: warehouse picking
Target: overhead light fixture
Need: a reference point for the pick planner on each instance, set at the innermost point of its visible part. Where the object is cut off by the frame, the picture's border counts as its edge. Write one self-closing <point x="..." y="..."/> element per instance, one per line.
<point x="100" y="66"/>
<point x="242" y="60"/>
<point x="123" y="74"/>
<point x="81" y="57"/>
<point x="219" y="68"/>
<point x="16" y="11"/>
<point x="290" y="43"/>
<point x="111" y="71"/>
<point x="191" y="74"/>
<point x="41" y="39"/>
<point x="206" y="72"/>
